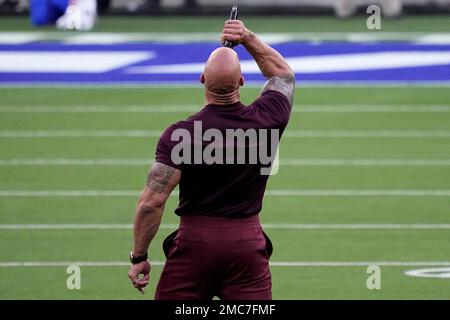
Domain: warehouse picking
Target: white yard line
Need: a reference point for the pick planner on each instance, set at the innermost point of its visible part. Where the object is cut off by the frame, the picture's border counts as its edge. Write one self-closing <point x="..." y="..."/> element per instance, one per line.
<point x="72" y="193"/>
<point x="367" y="134"/>
<point x="276" y="193"/>
<point x="106" y="109"/>
<point x="79" y="133"/>
<point x="360" y="193"/>
<point x="363" y="162"/>
<point x="358" y="226"/>
<point x="75" y="162"/>
<point x="194" y="108"/>
<point x="283" y="162"/>
<point x="29" y="264"/>
<point x="74" y="226"/>
<point x="186" y="37"/>
<point x="292" y="226"/>
<point x="358" y="263"/>
<point x="288" y="134"/>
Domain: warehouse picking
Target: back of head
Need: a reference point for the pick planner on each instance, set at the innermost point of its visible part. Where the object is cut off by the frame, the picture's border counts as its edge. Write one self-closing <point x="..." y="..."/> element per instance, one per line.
<point x="222" y="72"/>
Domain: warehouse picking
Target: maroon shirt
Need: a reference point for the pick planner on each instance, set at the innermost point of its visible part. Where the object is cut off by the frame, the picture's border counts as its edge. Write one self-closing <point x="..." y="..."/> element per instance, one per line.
<point x="230" y="190"/>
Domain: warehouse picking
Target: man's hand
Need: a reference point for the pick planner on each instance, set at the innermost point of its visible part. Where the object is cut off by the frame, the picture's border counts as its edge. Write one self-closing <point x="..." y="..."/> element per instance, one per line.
<point x="136" y="270"/>
<point x="235" y="31"/>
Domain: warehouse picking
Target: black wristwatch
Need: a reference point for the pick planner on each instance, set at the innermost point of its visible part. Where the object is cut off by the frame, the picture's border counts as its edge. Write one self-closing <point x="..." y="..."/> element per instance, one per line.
<point x="139" y="259"/>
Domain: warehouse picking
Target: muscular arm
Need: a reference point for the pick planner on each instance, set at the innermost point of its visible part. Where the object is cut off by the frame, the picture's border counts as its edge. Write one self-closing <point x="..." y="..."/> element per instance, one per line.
<point x="271" y="63"/>
<point x="161" y="180"/>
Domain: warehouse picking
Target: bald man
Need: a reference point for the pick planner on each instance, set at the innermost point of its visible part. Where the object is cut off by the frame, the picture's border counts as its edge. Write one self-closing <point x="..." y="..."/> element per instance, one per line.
<point x="219" y="249"/>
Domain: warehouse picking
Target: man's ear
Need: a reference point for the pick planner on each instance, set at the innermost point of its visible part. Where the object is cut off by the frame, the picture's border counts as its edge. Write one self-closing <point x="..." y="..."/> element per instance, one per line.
<point x="202" y="78"/>
<point x="241" y="81"/>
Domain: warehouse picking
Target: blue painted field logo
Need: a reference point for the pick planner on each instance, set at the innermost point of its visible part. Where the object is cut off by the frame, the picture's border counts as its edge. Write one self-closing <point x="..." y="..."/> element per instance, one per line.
<point x="227" y="146"/>
<point x="374" y="280"/>
<point x="374" y="20"/>
<point x="74" y="279"/>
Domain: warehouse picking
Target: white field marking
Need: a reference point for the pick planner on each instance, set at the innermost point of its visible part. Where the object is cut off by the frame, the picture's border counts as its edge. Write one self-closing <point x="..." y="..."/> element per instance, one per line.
<point x="271" y="38"/>
<point x="186" y="37"/>
<point x="75" y="162"/>
<point x="103" y="38"/>
<point x="367" y="134"/>
<point x="358" y="226"/>
<point x="194" y="108"/>
<point x="109" y="109"/>
<point x="443" y="39"/>
<point x="74" y="226"/>
<point x="15" y="264"/>
<point x="283" y="162"/>
<point x="430" y="273"/>
<point x="80" y="133"/>
<point x="320" y="64"/>
<point x="364" y="162"/>
<point x="18" y="37"/>
<point x="68" y="61"/>
<point x="358" y="263"/>
<point x="288" y="134"/>
<point x="275" y="193"/>
<point x="293" y="226"/>
<point x="360" y="193"/>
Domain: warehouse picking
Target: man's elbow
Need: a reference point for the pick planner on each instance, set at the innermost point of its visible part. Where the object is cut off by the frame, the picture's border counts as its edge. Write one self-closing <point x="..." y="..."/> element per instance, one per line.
<point x="289" y="78"/>
<point x="288" y="75"/>
<point x="150" y="206"/>
<point x="291" y="74"/>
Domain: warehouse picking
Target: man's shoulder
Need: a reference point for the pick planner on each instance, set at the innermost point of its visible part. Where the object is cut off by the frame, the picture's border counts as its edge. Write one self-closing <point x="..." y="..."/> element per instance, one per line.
<point x="182" y="125"/>
<point x="271" y="101"/>
<point x="271" y="97"/>
<point x="179" y="125"/>
<point x="272" y="108"/>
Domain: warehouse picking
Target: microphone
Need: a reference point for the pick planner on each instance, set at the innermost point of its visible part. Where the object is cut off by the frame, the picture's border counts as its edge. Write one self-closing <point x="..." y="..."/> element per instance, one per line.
<point x="233" y="16"/>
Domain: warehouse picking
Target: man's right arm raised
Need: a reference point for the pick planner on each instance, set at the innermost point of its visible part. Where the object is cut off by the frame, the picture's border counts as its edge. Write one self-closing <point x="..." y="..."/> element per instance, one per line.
<point x="271" y="63"/>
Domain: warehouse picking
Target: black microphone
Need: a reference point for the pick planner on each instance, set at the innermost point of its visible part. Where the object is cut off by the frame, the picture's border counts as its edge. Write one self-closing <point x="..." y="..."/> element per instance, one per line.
<point x="233" y="16"/>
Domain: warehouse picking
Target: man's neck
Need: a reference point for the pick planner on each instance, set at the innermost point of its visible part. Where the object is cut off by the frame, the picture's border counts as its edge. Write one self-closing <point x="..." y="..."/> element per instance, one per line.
<point x="222" y="99"/>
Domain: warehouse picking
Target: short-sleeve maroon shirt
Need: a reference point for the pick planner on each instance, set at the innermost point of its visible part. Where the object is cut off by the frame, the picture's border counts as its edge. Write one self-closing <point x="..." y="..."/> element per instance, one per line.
<point x="223" y="189"/>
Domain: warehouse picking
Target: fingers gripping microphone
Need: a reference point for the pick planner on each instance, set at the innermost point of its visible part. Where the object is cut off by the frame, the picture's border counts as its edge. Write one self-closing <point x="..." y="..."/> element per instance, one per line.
<point x="233" y="16"/>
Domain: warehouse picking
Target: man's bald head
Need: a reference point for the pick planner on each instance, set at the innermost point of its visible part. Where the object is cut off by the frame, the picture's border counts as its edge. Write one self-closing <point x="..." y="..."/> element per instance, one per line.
<point x="222" y="73"/>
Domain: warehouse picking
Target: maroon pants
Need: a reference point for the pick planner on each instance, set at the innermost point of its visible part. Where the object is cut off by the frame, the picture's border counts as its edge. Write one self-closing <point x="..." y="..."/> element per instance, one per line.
<point x="223" y="257"/>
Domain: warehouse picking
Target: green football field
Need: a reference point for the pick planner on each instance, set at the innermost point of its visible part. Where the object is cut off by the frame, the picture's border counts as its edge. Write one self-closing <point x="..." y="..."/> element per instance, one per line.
<point x="364" y="179"/>
<point x="45" y="131"/>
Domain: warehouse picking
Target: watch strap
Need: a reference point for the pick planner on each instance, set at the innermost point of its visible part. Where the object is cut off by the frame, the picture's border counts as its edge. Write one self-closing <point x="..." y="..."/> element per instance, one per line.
<point x="137" y="259"/>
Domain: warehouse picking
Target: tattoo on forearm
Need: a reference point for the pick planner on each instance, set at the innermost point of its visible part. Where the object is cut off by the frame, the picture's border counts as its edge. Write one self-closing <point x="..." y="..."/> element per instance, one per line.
<point x="159" y="176"/>
<point x="284" y="84"/>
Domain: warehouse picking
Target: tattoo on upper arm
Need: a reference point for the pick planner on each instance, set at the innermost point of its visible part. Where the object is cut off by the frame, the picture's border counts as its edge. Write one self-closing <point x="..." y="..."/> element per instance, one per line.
<point x="159" y="176"/>
<point x="284" y="84"/>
